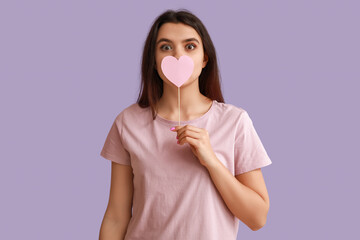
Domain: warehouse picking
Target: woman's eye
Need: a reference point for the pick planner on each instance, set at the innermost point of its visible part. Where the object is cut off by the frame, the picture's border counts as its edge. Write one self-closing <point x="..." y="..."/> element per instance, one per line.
<point x="162" y="47"/>
<point x="192" y="45"/>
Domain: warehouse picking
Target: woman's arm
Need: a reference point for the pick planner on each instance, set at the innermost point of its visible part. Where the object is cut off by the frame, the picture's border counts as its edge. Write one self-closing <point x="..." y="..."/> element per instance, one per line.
<point x="118" y="212"/>
<point x="245" y="194"/>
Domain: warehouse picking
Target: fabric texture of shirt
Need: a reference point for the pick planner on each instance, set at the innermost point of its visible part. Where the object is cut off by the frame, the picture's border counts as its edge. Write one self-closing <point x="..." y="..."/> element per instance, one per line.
<point x="174" y="196"/>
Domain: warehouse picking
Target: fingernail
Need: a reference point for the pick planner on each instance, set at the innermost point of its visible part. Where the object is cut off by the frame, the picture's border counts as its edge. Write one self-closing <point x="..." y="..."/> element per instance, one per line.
<point x="178" y="142"/>
<point x="177" y="137"/>
<point x="173" y="128"/>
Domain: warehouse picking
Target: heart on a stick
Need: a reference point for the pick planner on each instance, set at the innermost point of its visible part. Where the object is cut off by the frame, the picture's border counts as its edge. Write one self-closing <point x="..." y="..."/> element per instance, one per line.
<point x="177" y="71"/>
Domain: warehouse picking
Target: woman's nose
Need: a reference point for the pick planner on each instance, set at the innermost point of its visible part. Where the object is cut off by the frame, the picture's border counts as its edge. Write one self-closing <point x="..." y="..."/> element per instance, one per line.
<point x="178" y="53"/>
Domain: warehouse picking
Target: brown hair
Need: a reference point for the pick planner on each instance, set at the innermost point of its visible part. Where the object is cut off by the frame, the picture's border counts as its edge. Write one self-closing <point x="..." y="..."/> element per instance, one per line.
<point x="152" y="84"/>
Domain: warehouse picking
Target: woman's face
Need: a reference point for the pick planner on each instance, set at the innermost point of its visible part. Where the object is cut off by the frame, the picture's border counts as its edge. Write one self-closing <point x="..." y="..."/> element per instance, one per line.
<point x="177" y="39"/>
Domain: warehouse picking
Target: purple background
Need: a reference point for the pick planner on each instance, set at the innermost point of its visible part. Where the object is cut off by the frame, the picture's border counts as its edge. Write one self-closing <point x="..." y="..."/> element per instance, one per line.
<point x="67" y="68"/>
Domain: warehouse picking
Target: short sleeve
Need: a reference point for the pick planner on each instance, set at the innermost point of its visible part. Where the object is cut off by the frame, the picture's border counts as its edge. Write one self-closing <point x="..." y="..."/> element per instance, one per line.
<point x="113" y="148"/>
<point x="249" y="152"/>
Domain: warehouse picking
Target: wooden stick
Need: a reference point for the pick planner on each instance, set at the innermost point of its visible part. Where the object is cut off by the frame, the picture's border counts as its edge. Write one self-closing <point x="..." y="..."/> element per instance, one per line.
<point x="179" y="103"/>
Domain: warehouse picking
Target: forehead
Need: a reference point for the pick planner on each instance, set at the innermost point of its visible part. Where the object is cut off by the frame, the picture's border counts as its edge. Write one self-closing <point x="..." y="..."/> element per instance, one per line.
<point x="177" y="32"/>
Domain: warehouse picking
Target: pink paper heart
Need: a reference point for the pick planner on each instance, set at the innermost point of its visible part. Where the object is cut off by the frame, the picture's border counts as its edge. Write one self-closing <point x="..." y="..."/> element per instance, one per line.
<point x="177" y="71"/>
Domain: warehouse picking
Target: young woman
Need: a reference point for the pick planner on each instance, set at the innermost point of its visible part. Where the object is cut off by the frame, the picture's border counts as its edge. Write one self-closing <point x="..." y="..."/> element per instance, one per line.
<point x="193" y="181"/>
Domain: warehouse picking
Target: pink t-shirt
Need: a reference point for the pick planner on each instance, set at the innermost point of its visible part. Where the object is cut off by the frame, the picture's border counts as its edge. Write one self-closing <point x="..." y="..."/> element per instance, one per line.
<point x="174" y="196"/>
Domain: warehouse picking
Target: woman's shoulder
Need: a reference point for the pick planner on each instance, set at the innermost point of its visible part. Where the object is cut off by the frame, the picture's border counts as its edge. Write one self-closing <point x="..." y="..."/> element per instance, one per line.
<point x="227" y="109"/>
<point x="132" y="111"/>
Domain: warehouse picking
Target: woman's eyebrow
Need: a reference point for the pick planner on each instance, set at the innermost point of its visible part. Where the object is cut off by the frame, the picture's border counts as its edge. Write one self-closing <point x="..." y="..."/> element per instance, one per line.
<point x="168" y="40"/>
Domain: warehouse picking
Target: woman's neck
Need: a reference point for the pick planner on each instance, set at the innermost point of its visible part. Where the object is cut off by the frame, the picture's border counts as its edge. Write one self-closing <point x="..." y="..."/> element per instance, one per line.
<point x="192" y="103"/>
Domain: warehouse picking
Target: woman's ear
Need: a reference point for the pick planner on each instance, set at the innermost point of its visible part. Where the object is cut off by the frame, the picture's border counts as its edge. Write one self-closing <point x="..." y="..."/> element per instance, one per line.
<point x="206" y="59"/>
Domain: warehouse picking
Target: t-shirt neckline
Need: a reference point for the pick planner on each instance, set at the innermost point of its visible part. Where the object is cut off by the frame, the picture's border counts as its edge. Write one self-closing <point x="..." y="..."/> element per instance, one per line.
<point x="176" y="123"/>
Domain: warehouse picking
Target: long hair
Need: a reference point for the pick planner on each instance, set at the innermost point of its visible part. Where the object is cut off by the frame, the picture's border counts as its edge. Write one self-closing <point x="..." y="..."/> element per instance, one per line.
<point x="151" y="88"/>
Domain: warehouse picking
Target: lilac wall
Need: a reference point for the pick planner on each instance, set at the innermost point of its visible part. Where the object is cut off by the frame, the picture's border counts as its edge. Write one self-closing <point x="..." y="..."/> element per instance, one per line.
<point x="67" y="68"/>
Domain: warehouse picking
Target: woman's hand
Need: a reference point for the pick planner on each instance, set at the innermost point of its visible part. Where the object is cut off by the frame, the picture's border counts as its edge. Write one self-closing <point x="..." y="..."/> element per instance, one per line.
<point x="199" y="141"/>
